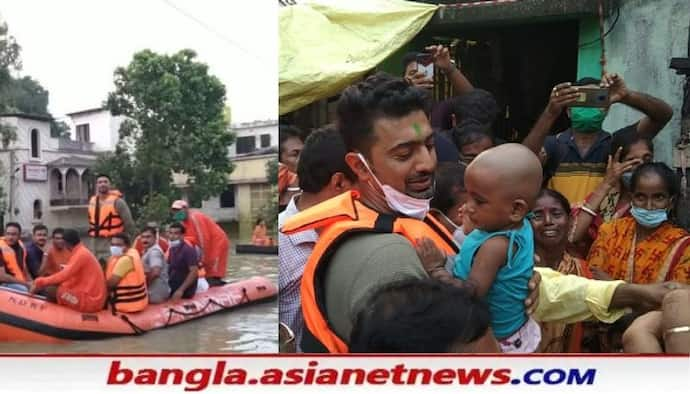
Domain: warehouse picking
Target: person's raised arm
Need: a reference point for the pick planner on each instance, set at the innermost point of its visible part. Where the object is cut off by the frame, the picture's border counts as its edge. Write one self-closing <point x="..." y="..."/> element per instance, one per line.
<point x="562" y="95"/>
<point x="657" y="112"/>
<point x="457" y="79"/>
<point x="126" y="215"/>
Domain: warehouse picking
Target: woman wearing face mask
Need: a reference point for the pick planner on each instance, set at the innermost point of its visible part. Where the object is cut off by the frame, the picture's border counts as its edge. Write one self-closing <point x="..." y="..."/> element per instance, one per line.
<point x="611" y="199"/>
<point x="647" y="247"/>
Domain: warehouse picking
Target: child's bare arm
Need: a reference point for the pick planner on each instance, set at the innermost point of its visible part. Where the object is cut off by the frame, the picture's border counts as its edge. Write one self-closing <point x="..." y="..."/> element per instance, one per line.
<point x="490" y="257"/>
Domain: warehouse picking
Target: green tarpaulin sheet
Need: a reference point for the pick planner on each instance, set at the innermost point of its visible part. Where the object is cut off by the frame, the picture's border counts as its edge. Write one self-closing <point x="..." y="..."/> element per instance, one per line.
<point x="326" y="45"/>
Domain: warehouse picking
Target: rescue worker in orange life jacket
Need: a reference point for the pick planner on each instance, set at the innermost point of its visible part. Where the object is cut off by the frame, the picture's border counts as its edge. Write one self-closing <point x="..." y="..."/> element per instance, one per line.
<point x="125" y="276"/>
<point x="108" y="214"/>
<point x="13" y="268"/>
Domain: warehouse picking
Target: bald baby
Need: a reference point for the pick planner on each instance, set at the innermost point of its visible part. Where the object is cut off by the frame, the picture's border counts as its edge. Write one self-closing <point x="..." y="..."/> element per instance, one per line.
<point x="505" y="182"/>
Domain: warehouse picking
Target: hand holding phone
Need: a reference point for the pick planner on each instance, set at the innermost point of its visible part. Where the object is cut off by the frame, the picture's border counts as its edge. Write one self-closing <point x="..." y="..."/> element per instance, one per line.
<point x="591" y="97"/>
<point x="425" y="65"/>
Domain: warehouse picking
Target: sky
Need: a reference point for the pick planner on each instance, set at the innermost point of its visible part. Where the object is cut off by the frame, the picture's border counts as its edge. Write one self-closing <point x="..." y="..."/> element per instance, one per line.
<point x="72" y="47"/>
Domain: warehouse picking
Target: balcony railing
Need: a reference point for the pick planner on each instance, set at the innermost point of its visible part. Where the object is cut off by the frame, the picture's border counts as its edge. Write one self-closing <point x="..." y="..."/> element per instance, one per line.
<point x="64" y="202"/>
<point x="67" y="144"/>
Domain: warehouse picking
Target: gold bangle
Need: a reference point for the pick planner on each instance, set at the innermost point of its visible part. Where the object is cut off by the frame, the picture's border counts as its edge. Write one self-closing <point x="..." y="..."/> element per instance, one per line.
<point x="677" y="330"/>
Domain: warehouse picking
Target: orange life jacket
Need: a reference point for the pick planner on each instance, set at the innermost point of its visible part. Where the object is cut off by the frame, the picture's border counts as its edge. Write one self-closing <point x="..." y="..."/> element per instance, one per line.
<point x="12" y="265"/>
<point x="104" y="220"/>
<point x="335" y="220"/>
<point x="131" y="294"/>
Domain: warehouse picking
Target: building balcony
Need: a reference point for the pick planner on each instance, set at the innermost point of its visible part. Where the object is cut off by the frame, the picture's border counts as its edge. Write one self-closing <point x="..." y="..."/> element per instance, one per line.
<point x="66" y="144"/>
<point x="68" y="202"/>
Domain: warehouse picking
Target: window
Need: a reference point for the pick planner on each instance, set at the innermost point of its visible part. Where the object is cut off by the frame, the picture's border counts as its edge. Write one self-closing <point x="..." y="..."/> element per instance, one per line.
<point x="35" y="147"/>
<point x="265" y="140"/>
<point x="227" y="198"/>
<point x="38" y="211"/>
<point x="83" y="133"/>
<point x="246" y="144"/>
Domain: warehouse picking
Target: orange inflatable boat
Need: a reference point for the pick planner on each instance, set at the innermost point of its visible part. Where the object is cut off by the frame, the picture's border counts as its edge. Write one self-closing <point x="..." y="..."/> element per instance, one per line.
<point x="28" y="318"/>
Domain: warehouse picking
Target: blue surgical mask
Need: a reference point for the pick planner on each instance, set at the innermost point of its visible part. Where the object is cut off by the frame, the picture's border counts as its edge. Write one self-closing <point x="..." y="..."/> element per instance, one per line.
<point x="649" y="218"/>
<point x="116" y="251"/>
<point x="626" y="179"/>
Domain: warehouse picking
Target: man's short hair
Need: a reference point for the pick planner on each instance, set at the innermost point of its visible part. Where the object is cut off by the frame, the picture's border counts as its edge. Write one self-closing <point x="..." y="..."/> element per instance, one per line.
<point x="15" y="225"/>
<point x="408" y="58"/>
<point x="478" y="105"/>
<point x="71" y="237"/>
<point x="322" y="156"/>
<point x="468" y="133"/>
<point x="39" y="227"/>
<point x="179" y="226"/>
<point x="104" y="176"/>
<point x="285" y="132"/>
<point x="59" y="230"/>
<point x="149" y="229"/>
<point x="124" y="237"/>
<point x="418" y="316"/>
<point x="379" y="96"/>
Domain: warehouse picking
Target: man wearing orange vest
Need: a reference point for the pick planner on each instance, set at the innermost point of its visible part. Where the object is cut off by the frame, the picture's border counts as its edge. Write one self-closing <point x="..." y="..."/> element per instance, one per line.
<point x="367" y="237"/>
<point x="108" y="215"/>
<point x="125" y="276"/>
<point x="81" y="284"/>
<point x="13" y="268"/>
<point x="205" y="233"/>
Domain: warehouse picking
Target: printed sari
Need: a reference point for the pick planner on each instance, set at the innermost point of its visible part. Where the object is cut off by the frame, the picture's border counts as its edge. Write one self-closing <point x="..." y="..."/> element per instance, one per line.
<point x="663" y="256"/>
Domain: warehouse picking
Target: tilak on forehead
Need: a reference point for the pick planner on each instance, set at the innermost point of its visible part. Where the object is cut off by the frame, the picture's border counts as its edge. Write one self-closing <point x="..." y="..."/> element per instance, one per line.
<point x="418" y="129"/>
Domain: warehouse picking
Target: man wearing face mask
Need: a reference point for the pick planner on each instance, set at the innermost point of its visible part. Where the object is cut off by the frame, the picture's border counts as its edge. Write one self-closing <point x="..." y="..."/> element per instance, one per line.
<point x="125" y="276"/>
<point x="366" y="236"/>
<point x="576" y="158"/>
<point x="205" y="233"/>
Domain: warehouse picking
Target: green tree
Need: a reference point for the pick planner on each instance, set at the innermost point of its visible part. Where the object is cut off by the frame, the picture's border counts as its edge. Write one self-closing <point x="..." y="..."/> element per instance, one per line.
<point x="270" y="211"/>
<point x="177" y="123"/>
<point x="9" y="60"/>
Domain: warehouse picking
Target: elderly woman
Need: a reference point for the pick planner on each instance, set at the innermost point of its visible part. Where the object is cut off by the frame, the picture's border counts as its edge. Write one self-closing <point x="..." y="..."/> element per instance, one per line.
<point x="646" y="247"/>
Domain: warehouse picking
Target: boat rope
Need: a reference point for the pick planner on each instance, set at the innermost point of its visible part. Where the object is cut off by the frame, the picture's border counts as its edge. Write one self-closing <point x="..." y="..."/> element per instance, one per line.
<point x="172" y="311"/>
<point x="137" y="330"/>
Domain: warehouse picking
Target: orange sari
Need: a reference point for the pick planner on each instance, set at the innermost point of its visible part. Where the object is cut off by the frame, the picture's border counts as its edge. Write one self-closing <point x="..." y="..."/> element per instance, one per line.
<point x="560" y="337"/>
<point x="663" y="256"/>
<point x="260" y="237"/>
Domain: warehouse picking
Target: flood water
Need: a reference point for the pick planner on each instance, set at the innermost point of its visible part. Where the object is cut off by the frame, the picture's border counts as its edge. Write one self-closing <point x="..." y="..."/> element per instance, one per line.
<point x="250" y="329"/>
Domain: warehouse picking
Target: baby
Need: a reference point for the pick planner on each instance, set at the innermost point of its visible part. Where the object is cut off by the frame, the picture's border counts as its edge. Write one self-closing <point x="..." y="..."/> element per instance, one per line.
<point x="496" y="259"/>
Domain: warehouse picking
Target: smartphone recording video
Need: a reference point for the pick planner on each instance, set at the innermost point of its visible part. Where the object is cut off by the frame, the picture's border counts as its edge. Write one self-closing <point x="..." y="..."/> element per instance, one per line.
<point x="425" y="65"/>
<point x="592" y="97"/>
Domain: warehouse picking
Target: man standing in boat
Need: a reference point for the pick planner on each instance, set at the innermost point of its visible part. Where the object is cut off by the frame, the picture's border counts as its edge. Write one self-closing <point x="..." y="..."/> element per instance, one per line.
<point x="81" y="284"/>
<point x="109" y="214"/>
<point x="205" y="233"/>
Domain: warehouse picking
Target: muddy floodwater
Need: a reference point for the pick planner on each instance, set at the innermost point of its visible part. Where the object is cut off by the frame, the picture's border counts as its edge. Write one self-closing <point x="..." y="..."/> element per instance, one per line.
<point x="250" y="329"/>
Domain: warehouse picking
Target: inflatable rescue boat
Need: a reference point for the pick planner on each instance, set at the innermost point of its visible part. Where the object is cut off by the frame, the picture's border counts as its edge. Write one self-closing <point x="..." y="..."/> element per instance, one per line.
<point x="30" y="318"/>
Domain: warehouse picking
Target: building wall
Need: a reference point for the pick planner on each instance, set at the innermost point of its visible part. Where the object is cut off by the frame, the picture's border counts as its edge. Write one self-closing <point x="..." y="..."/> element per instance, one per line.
<point x="256" y="129"/>
<point x="25" y="193"/>
<point x="640" y="47"/>
<point x="103" y="128"/>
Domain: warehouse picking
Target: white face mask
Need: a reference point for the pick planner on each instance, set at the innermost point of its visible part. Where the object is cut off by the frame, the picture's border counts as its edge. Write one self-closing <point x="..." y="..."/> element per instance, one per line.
<point x="116" y="250"/>
<point x="175" y="242"/>
<point x="400" y="202"/>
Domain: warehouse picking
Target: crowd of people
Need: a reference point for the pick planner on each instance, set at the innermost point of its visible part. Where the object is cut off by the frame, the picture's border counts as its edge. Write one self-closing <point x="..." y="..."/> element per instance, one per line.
<point x="113" y="268"/>
<point x="407" y="226"/>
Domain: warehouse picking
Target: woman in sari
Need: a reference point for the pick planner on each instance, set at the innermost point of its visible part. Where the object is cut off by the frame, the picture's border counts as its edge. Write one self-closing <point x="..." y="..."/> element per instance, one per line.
<point x="611" y="199"/>
<point x="646" y="247"/>
<point x="551" y="224"/>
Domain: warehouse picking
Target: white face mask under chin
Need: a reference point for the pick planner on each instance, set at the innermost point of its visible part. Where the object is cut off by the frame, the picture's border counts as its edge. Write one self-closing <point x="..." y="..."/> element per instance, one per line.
<point x="459" y="235"/>
<point x="400" y="202"/>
